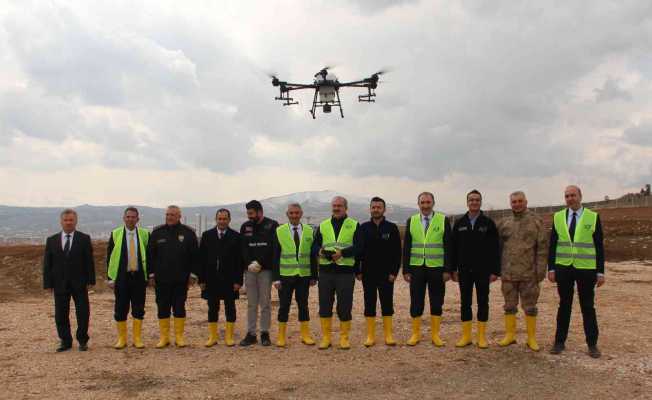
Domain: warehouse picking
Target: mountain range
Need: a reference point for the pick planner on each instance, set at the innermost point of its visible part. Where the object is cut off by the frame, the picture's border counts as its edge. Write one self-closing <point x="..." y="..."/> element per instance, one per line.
<point x="36" y="223"/>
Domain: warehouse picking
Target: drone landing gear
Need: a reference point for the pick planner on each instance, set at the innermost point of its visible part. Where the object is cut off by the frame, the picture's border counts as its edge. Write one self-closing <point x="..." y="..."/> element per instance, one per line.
<point x="287" y="100"/>
<point x="326" y="105"/>
<point x="368" y="98"/>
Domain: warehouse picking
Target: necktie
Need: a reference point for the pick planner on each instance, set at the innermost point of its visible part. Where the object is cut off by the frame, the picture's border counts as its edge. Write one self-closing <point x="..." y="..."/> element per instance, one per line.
<point x="220" y="235"/>
<point x="427" y="224"/>
<point x="571" y="230"/>
<point x="66" y="247"/>
<point x="297" y="240"/>
<point x="133" y="267"/>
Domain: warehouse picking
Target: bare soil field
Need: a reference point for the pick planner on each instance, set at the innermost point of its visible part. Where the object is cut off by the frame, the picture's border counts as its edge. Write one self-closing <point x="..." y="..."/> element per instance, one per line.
<point x="31" y="368"/>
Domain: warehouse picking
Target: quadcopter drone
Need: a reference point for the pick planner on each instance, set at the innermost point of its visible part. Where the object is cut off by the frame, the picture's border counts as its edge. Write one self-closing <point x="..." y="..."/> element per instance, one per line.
<point x="327" y="87"/>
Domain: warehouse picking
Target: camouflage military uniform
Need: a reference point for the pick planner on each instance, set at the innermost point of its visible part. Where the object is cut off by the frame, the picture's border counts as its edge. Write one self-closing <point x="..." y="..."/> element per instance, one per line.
<point x="523" y="260"/>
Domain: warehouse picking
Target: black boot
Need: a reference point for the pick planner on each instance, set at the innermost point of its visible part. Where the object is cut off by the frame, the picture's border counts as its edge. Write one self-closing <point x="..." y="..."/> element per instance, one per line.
<point x="248" y="340"/>
<point x="264" y="339"/>
<point x="594" y="352"/>
<point x="63" y="346"/>
<point x="557" y="348"/>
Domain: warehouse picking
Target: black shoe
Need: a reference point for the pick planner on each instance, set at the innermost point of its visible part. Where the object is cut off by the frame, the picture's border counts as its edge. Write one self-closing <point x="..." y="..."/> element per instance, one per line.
<point x="248" y="340"/>
<point x="64" y="347"/>
<point x="557" y="348"/>
<point x="83" y="346"/>
<point x="594" y="352"/>
<point x="264" y="339"/>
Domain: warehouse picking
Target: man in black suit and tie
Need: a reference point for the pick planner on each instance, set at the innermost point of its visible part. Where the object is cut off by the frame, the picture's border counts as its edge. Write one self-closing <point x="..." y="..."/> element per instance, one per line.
<point x="220" y="275"/>
<point x="69" y="271"/>
<point x="576" y="257"/>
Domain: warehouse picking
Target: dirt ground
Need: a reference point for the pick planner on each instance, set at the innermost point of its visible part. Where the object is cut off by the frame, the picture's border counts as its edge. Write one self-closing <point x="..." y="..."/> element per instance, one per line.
<point x="31" y="368"/>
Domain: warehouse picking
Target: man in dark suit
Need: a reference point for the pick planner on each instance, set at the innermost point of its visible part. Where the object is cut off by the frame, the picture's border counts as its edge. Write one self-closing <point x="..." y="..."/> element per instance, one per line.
<point x="220" y="274"/>
<point x="126" y="262"/>
<point x="576" y="257"/>
<point x="68" y="271"/>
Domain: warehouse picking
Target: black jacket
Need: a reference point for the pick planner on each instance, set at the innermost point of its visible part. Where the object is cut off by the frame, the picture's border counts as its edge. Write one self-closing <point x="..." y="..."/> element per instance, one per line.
<point x="124" y="258"/>
<point x="598" y="242"/>
<point x="76" y="269"/>
<point x="475" y="248"/>
<point x="348" y="252"/>
<point x="172" y="253"/>
<point x="258" y="242"/>
<point x="225" y="252"/>
<point x="407" y="247"/>
<point x="276" y="267"/>
<point x="379" y="250"/>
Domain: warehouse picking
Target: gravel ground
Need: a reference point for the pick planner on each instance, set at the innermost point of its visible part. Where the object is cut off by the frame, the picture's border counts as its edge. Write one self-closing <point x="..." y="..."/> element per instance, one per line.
<point x="31" y="368"/>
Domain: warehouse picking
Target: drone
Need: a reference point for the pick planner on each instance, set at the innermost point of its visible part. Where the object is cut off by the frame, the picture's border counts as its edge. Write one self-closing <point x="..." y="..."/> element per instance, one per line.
<point x="327" y="90"/>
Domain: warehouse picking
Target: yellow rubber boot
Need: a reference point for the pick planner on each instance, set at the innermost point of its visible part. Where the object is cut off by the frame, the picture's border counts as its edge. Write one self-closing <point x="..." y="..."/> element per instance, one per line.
<point x="179" y="325"/>
<point x="325" y="333"/>
<point x="305" y="334"/>
<point x="228" y="336"/>
<point x="435" y="323"/>
<point x="466" y="335"/>
<point x="531" y="323"/>
<point x="510" y="330"/>
<point x="345" y="328"/>
<point x="164" y="327"/>
<point x="282" y="331"/>
<point x="482" y="335"/>
<point x="138" y="333"/>
<point x="371" y="332"/>
<point x="122" y="335"/>
<point x="387" y="330"/>
<point x="212" y="335"/>
<point x="416" y="332"/>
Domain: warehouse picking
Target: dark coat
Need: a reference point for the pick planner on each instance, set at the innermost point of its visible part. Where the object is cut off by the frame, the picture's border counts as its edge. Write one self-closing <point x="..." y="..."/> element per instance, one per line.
<point x="258" y="242"/>
<point x="475" y="248"/>
<point x="124" y="258"/>
<point x="172" y="253"/>
<point x="77" y="269"/>
<point x="225" y="253"/>
<point x="380" y="250"/>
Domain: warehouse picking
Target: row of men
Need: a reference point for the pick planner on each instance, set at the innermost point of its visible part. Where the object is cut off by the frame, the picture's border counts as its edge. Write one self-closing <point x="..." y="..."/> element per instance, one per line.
<point x="294" y="256"/>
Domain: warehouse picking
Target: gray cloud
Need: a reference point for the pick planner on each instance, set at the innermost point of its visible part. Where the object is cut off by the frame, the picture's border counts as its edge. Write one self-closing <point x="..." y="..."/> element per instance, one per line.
<point x="611" y="91"/>
<point x="639" y="134"/>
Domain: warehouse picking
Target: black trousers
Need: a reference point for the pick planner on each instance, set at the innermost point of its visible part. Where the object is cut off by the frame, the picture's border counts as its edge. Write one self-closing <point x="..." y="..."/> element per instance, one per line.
<point x="333" y="284"/>
<point x="479" y="279"/>
<point x="130" y="291"/>
<point x="171" y="296"/>
<point x="214" y="308"/>
<point x="566" y="278"/>
<point x="300" y="286"/>
<point x="62" y="313"/>
<point x="426" y="277"/>
<point x="374" y="288"/>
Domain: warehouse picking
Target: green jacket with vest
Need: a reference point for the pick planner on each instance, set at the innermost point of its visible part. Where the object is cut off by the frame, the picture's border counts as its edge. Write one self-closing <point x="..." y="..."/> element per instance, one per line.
<point x="429" y="249"/>
<point x="289" y="262"/>
<point x="118" y="251"/>
<point x="585" y="250"/>
<point x="338" y="233"/>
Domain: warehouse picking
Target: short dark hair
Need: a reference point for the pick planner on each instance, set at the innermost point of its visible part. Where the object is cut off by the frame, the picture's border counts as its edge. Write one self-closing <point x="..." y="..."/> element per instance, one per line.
<point x="131" y="208"/>
<point x="474" y="191"/>
<point x="224" y="210"/>
<point x="432" y="196"/>
<point x="378" y="200"/>
<point x="254" y="205"/>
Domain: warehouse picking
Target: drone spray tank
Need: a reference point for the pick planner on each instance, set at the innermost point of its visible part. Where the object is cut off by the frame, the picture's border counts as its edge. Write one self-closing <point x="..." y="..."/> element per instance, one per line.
<point x="327" y="93"/>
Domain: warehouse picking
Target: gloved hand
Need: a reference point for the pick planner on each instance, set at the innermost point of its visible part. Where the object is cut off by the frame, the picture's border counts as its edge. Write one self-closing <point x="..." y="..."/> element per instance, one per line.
<point x="254" y="267"/>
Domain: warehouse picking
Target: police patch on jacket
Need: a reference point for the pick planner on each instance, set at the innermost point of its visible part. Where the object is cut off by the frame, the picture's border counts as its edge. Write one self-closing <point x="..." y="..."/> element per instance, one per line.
<point x="180" y="237"/>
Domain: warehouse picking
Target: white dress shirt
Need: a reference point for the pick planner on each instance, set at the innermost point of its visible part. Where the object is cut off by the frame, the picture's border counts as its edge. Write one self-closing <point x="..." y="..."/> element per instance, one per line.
<point x="63" y="239"/>
<point x="569" y="217"/>
<point x="299" y="230"/>
<point x="423" y="220"/>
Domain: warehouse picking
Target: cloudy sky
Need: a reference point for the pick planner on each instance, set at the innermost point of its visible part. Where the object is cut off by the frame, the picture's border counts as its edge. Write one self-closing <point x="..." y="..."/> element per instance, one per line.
<point x="154" y="102"/>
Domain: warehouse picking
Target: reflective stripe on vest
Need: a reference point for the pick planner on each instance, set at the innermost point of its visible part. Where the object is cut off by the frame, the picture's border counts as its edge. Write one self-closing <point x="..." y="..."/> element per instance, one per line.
<point x="343" y="240"/>
<point x="291" y="264"/>
<point x="114" y="261"/>
<point x="579" y="253"/>
<point x="427" y="248"/>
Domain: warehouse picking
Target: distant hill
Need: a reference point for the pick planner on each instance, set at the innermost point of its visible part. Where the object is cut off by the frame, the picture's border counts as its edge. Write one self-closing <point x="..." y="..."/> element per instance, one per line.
<point x="36" y="223"/>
